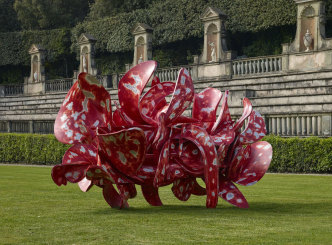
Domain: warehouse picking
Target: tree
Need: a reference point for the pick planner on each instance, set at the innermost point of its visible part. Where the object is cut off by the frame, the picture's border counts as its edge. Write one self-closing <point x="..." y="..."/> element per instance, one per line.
<point x="50" y="14"/>
<point x="105" y="8"/>
<point x="8" y="17"/>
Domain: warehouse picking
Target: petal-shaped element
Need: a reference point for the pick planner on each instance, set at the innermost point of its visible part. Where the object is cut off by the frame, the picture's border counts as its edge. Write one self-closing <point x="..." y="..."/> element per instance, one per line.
<point x="197" y="189"/>
<point x="162" y="133"/>
<point x="255" y="129"/>
<point x="127" y="120"/>
<point x="87" y="105"/>
<point x="191" y="159"/>
<point x="201" y="138"/>
<point x="151" y="195"/>
<point x="100" y="174"/>
<point x="225" y="136"/>
<point x="256" y="165"/>
<point x="113" y="198"/>
<point x="154" y="100"/>
<point x="182" y="96"/>
<point x="247" y="109"/>
<point x="125" y="149"/>
<point x="85" y="184"/>
<point x="131" y="87"/>
<point x="174" y="171"/>
<point x="162" y="167"/>
<point x="205" y="107"/>
<point x="238" y="162"/>
<point x="127" y="190"/>
<point x="118" y="120"/>
<point x="224" y="117"/>
<point x="71" y="172"/>
<point x="182" y="188"/>
<point x="230" y="193"/>
<point x="81" y="154"/>
<point x="155" y="81"/>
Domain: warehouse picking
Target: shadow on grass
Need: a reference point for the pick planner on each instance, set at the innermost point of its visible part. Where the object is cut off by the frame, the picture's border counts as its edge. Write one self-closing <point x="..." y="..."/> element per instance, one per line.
<point x="263" y="208"/>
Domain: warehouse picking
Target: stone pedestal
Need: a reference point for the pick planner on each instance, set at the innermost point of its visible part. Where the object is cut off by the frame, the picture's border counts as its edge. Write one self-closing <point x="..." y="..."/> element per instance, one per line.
<point x="143" y="43"/>
<point x="214" y="36"/>
<point x="86" y="43"/>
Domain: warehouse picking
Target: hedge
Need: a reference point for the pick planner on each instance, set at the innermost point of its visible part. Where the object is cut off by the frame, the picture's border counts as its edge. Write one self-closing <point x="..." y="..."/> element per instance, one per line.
<point x="291" y="155"/>
<point x="31" y="149"/>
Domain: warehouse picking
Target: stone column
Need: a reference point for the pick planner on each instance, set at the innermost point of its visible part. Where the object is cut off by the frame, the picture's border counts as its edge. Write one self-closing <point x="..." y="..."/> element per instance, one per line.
<point x="214" y="35"/>
<point x="143" y="43"/>
<point x="86" y="43"/>
<point x="327" y="125"/>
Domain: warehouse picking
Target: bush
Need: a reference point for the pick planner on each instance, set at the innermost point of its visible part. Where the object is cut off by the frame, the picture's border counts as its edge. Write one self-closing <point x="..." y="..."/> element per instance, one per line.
<point x="301" y="155"/>
<point x="291" y="155"/>
<point x="31" y="149"/>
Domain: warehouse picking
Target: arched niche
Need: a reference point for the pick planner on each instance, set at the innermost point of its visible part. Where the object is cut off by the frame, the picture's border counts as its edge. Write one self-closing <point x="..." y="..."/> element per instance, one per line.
<point x="308" y="22"/>
<point x="212" y="42"/>
<point x="85" y="59"/>
<point x="140" y="49"/>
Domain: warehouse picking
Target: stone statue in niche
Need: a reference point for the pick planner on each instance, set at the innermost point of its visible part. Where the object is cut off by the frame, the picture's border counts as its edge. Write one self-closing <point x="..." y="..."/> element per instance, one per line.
<point x="140" y="60"/>
<point x="35" y="76"/>
<point x="213" y="52"/>
<point x="85" y="68"/>
<point x="307" y="40"/>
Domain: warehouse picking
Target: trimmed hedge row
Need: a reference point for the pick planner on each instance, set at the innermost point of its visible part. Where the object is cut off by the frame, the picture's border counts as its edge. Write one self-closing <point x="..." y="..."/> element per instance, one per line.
<point x="31" y="149"/>
<point x="291" y="155"/>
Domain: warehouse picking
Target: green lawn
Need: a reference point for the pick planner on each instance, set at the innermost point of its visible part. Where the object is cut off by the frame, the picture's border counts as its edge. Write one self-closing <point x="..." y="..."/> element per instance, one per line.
<point x="284" y="209"/>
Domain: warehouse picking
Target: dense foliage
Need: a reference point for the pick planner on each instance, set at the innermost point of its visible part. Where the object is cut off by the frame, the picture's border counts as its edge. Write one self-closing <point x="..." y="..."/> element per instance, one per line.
<point x="8" y="17"/>
<point x="301" y="155"/>
<point x="291" y="155"/>
<point x="50" y="14"/>
<point x="31" y="149"/>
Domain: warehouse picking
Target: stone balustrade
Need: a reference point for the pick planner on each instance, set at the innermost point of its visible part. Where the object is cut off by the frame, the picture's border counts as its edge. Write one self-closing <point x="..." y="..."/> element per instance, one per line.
<point x="171" y="73"/>
<point x="11" y="90"/>
<point x="257" y="65"/>
<point x="299" y="125"/>
<point x="58" y="85"/>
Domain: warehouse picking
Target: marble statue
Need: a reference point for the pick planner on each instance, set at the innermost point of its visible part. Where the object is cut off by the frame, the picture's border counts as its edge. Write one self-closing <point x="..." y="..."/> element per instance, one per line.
<point x="307" y="40"/>
<point x="85" y="68"/>
<point x="140" y="60"/>
<point x="213" y="52"/>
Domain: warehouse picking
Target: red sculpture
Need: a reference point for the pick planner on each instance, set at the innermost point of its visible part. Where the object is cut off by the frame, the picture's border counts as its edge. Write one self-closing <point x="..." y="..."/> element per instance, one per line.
<point x="148" y="142"/>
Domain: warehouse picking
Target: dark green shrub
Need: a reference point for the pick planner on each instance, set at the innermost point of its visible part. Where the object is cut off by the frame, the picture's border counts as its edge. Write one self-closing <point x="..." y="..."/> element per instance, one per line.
<point x="301" y="155"/>
<point x="31" y="149"/>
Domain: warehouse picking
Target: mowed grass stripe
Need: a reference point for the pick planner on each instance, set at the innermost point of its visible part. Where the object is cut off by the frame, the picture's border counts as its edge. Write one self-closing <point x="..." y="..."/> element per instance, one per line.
<point x="284" y="209"/>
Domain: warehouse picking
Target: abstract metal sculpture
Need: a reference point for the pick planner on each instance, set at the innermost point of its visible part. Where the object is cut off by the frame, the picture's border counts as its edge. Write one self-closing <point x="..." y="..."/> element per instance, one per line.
<point x="148" y="142"/>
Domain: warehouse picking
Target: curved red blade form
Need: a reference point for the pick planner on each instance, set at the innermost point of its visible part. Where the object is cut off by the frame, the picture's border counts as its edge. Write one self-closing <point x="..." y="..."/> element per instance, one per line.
<point x="151" y="195"/>
<point x="113" y="198"/>
<point x="154" y="100"/>
<point x="224" y="117"/>
<point x="191" y="159"/>
<point x="205" y="107"/>
<point x="81" y="154"/>
<point x="201" y="138"/>
<point x="131" y="87"/>
<point x="162" y="167"/>
<point x="256" y="165"/>
<point x="155" y="81"/>
<point x="182" y="96"/>
<point x="182" y="189"/>
<point x="99" y="174"/>
<point x="197" y="189"/>
<point x="87" y="105"/>
<point x="127" y="191"/>
<point x="174" y="172"/>
<point x="69" y="172"/>
<point x="118" y="120"/>
<point x="125" y="149"/>
<point x="226" y="136"/>
<point x="230" y="193"/>
<point x="162" y="133"/>
<point x="247" y="109"/>
<point x="255" y="129"/>
<point x="85" y="184"/>
<point x="238" y="162"/>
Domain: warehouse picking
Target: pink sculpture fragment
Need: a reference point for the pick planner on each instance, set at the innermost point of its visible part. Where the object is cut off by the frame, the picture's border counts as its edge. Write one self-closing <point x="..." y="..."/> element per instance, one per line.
<point x="147" y="141"/>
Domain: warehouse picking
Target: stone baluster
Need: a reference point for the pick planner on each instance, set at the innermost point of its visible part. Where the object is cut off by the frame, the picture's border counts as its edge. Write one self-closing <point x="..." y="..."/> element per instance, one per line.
<point x="262" y="65"/>
<point x="309" y="126"/>
<point x="238" y="68"/>
<point x="283" y="126"/>
<point x="274" y="125"/>
<point x="314" y="125"/>
<point x="298" y="125"/>
<point x="234" y="68"/>
<point x="279" y="126"/>
<point x="254" y="66"/>
<point x="288" y="126"/>
<point x="304" y="125"/>
<point x="319" y="125"/>
<point x="250" y="67"/>
<point x="293" y="121"/>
